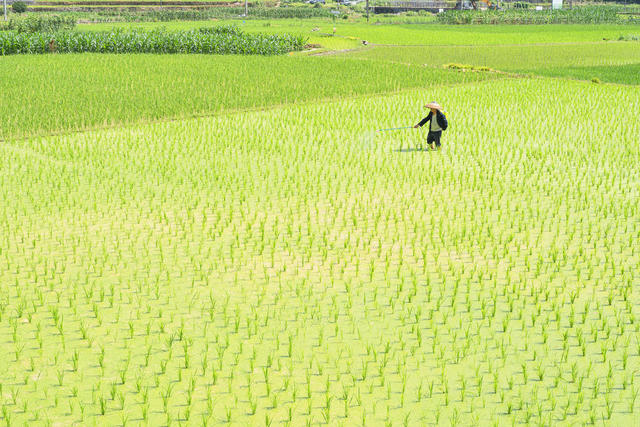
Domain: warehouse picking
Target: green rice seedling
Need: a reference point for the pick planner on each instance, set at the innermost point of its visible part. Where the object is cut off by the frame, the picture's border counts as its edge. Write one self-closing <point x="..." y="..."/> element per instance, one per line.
<point x="103" y="405"/>
<point x="121" y="400"/>
<point x="252" y="406"/>
<point x="210" y="403"/>
<point x="145" y="412"/>
<point x="609" y="407"/>
<point x="6" y="416"/>
<point x="463" y="388"/>
<point x="122" y="374"/>
<point x="632" y="400"/>
<point x="165" y="395"/>
<point x="596" y="388"/>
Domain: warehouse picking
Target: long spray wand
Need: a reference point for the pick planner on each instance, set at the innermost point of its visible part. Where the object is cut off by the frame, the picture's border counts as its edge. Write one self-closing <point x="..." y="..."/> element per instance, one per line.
<point x="404" y="127"/>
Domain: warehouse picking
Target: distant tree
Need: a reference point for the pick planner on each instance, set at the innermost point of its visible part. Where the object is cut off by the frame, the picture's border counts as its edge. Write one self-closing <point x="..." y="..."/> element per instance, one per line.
<point x="19" y="7"/>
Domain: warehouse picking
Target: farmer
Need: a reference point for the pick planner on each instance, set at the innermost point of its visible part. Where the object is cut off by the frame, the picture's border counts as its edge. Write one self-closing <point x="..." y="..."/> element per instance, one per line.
<point x="436" y="126"/>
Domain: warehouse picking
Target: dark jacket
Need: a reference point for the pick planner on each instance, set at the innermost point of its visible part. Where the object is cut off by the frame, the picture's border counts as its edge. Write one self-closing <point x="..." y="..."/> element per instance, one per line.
<point x="440" y="117"/>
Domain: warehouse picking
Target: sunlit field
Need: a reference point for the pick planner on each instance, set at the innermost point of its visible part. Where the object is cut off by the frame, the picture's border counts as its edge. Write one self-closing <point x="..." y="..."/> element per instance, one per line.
<point x="208" y="240"/>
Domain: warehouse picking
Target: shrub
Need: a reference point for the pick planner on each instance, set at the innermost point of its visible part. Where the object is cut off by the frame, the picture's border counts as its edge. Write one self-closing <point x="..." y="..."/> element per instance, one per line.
<point x="41" y="24"/>
<point x="578" y="15"/>
<point x="19" y="7"/>
<point x="630" y="37"/>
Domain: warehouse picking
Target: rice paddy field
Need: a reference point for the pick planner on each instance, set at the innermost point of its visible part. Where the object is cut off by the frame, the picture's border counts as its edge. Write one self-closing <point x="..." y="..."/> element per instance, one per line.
<point x="225" y="240"/>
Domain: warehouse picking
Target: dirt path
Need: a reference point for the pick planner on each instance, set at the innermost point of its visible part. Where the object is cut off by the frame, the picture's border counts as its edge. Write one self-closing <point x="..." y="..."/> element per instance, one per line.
<point x="334" y="52"/>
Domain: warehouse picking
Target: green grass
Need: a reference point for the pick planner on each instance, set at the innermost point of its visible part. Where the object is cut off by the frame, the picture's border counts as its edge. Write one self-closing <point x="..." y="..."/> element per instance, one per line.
<point x="294" y="265"/>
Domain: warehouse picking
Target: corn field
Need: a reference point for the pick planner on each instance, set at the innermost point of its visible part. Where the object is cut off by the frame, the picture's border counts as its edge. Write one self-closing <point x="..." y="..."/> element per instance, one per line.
<point x="204" y="41"/>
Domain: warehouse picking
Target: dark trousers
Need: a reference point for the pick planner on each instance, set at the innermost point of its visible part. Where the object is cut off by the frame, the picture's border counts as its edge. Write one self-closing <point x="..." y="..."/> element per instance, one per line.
<point x="434" y="137"/>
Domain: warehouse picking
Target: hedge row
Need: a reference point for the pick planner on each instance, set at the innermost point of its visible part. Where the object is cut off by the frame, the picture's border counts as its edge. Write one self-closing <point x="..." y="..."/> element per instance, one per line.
<point x="200" y="14"/>
<point x="41" y="24"/>
<point x="577" y="15"/>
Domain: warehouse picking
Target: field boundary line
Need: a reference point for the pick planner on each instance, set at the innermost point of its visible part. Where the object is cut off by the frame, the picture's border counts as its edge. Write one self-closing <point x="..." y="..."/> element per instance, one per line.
<point x="336" y="52"/>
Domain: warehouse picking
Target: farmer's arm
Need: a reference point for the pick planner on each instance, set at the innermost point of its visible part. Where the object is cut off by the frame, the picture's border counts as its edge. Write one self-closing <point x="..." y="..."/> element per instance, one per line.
<point x="423" y="121"/>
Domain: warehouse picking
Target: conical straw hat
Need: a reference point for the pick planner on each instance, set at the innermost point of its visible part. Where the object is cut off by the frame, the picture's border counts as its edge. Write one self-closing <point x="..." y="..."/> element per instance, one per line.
<point x="433" y="105"/>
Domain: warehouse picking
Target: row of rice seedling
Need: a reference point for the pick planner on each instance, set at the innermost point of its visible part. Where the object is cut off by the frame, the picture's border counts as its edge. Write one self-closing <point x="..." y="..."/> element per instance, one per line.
<point x="156" y="41"/>
<point x="291" y="267"/>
